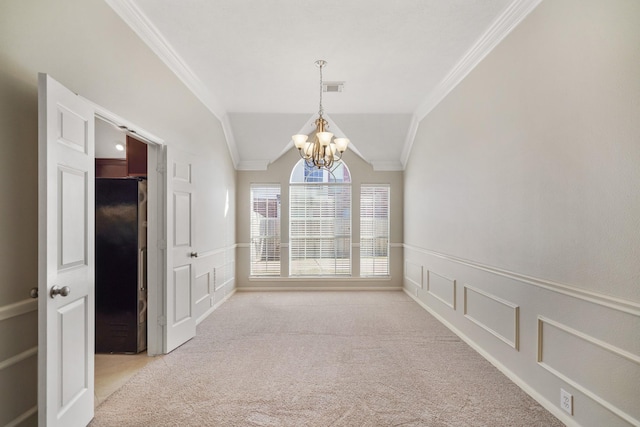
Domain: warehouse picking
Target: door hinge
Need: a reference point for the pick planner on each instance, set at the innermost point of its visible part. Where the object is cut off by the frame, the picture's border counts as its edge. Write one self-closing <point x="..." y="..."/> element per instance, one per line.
<point x="162" y="320"/>
<point x="162" y="244"/>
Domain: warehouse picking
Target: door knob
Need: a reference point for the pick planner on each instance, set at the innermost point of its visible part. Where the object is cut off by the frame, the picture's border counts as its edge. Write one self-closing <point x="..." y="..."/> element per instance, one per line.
<point x="33" y="293"/>
<point x="56" y="290"/>
<point x="193" y="254"/>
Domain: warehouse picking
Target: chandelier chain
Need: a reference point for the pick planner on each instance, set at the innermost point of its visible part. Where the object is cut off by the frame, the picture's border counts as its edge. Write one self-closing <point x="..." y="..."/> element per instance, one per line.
<point x="321" y="111"/>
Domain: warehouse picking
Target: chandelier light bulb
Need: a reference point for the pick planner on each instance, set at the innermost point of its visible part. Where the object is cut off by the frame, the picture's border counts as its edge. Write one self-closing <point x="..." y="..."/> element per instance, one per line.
<point x="299" y="140"/>
<point x="341" y="144"/>
<point x="324" y="138"/>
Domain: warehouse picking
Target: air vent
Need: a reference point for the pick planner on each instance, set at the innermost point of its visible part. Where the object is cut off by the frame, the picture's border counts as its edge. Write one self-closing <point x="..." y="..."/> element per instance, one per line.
<point x="333" y="86"/>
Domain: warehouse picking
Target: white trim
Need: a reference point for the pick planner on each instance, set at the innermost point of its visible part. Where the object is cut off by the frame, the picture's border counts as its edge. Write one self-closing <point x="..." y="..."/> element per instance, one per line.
<point x="510" y="18"/>
<point x="307" y="279"/>
<point x="216" y="251"/>
<point x="212" y="309"/>
<point x="224" y="284"/>
<point x="117" y="121"/>
<point x="208" y="294"/>
<point x="253" y="165"/>
<point x="22" y="417"/>
<point x="595" y="341"/>
<point x="315" y="288"/>
<point x="18" y="308"/>
<point x="599" y="343"/>
<point x="387" y="165"/>
<point x="554" y="409"/>
<point x="230" y="139"/>
<point x="516" y="317"/>
<point x="408" y="142"/>
<point x="33" y="351"/>
<point x="451" y="304"/>
<point x="286" y="245"/>
<point x="151" y="36"/>
<point x="410" y="279"/>
<point x="619" y="304"/>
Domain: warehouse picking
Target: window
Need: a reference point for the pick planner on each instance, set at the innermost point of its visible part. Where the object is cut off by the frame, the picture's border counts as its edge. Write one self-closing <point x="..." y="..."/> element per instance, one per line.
<point x="374" y="230"/>
<point x="265" y="230"/>
<point x="320" y="221"/>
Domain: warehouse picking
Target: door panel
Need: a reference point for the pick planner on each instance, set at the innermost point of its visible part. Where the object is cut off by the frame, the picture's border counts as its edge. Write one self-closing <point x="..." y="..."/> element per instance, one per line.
<point x="180" y="303"/>
<point x="73" y="363"/>
<point x="182" y="209"/>
<point x="65" y="256"/>
<point x="182" y="294"/>
<point x="73" y="224"/>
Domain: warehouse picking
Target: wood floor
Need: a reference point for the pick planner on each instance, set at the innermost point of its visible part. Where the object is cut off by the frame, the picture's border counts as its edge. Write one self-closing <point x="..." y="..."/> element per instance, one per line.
<point x="112" y="371"/>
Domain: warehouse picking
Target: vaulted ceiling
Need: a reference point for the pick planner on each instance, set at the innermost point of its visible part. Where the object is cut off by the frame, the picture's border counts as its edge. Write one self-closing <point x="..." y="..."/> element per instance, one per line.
<point x="251" y="63"/>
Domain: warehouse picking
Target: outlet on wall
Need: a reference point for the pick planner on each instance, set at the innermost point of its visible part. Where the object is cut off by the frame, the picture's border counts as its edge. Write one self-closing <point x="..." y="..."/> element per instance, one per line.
<point x="566" y="401"/>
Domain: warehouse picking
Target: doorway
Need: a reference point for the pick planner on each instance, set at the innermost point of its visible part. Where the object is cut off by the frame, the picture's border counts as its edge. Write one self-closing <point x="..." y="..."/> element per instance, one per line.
<point x="123" y="205"/>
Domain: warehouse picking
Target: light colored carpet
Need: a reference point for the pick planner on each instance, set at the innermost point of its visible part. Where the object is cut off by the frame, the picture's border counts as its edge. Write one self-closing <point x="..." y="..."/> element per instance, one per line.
<point x="321" y="359"/>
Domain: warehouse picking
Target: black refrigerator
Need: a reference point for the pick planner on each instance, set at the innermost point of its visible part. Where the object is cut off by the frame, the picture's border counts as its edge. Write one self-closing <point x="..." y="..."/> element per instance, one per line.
<point x="121" y="273"/>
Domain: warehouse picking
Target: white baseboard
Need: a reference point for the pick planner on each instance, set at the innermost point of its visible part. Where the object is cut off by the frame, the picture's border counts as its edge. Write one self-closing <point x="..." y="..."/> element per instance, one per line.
<point x="316" y="288"/>
<point x="555" y="410"/>
<point x="212" y="309"/>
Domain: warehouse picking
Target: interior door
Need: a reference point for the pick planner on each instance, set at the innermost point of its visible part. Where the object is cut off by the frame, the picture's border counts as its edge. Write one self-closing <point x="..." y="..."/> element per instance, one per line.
<point x="179" y="299"/>
<point x="65" y="256"/>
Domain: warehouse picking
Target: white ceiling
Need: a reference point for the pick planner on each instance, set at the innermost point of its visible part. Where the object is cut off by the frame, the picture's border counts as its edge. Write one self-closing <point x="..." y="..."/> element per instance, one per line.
<point x="252" y="63"/>
<point x="107" y="137"/>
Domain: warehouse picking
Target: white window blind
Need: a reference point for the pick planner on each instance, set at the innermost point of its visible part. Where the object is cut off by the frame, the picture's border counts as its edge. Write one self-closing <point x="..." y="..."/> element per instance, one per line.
<point x="265" y="230"/>
<point x="374" y="230"/>
<point x="320" y="229"/>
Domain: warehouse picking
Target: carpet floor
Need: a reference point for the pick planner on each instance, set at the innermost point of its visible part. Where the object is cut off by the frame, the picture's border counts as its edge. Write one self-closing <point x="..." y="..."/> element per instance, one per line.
<point x="321" y="359"/>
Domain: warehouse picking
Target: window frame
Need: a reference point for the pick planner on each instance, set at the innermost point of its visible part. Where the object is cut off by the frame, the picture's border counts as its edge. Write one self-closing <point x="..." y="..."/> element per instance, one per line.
<point x="375" y="237"/>
<point x="339" y="242"/>
<point x="272" y="240"/>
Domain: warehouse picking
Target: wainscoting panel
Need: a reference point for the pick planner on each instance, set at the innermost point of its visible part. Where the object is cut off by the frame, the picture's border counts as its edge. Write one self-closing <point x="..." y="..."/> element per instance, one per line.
<point x="203" y="287"/>
<point x="413" y="273"/>
<point x="572" y="356"/>
<point x="566" y="337"/>
<point x="18" y="362"/>
<point x="442" y="288"/>
<point x="223" y="275"/>
<point x="215" y="279"/>
<point x="493" y="314"/>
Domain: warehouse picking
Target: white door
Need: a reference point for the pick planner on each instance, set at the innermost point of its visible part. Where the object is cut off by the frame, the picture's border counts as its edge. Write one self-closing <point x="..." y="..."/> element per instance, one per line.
<point x="65" y="256"/>
<point x="181" y="253"/>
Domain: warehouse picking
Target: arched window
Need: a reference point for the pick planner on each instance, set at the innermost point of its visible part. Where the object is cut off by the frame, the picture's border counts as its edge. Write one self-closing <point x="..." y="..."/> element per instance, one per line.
<point x="303" y="173"/>
<point x="320" y="221"/>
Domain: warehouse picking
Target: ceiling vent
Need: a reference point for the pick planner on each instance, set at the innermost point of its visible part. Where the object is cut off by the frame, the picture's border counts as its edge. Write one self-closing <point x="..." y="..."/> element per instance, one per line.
<point x="332" y="86"/>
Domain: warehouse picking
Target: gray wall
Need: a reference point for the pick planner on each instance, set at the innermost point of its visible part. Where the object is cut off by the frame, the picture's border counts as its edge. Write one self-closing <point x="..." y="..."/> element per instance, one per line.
<point x="279" y="172"/>
<point x="522" y="208"/>
<point x="86" y="46"/>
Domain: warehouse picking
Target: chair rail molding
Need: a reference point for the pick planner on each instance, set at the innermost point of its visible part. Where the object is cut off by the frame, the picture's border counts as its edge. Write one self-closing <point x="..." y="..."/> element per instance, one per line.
<point x="619" y="304"/>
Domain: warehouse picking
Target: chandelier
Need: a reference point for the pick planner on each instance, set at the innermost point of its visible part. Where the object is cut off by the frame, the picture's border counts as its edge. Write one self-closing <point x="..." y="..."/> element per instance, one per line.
<point x="323" y="150"/>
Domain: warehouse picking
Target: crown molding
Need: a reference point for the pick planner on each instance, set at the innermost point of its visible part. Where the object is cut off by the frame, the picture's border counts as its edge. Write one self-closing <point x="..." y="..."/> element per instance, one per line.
<point x="512" y="16"/>
<point x="152" y="37"/>
<point x="387" y="165"/>
<point x="253" y="165"/>
<point x="408" y="142"/>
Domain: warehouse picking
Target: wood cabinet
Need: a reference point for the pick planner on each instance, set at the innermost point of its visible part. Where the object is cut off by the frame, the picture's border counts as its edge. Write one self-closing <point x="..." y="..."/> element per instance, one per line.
<point x="135" y="163"/>
<point x="136" y="157"/>
<point x="111" y="168"/>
